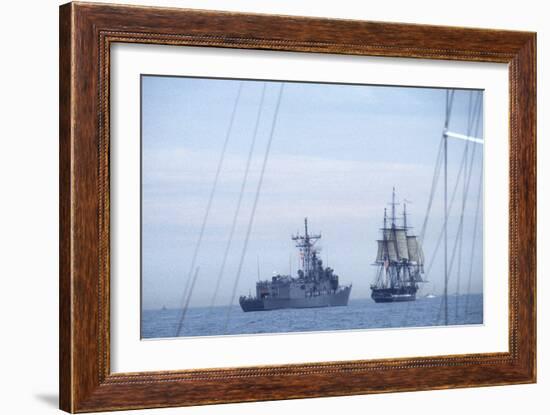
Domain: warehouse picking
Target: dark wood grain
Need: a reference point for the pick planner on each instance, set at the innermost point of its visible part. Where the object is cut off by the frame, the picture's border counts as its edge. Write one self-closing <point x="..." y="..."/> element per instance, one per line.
<point x="65" y="138"/>
<point x="86" y="33"/>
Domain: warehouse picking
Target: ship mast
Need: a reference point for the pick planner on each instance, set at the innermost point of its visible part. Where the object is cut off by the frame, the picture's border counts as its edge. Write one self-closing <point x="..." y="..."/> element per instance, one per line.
<point x="305" y="243"/>
<point x="405" y="216"/>
<point x="394" y="230"/>
<point x="449" y="98"/>
<point x="386" y="250"/>
<point x="393" y="208"/>
<point x="399" y="255"/>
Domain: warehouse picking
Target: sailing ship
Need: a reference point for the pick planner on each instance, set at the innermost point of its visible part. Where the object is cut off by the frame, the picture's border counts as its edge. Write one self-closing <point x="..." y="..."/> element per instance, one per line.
<point x="399" y="261"/>
<point x="314" y="286"/>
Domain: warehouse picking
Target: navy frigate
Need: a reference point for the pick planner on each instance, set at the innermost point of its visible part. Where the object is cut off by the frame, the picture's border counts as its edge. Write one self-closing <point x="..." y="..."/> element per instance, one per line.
<point x="314" y="286"/>
<point x="399" y="261"/>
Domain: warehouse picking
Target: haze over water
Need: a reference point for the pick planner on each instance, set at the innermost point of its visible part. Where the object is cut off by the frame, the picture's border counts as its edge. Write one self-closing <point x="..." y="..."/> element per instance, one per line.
<point x="336" y="153"/>
<point x="359" y="314"/>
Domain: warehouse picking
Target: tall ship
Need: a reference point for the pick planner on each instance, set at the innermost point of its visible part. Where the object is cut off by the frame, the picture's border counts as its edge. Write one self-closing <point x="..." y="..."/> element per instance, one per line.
<point x="399" y="261"/>
<point x="314" y="286"/>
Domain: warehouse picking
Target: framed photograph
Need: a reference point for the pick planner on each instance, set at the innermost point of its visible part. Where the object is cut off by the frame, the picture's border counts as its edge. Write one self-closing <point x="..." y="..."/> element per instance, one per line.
<point x="258" y="207"/>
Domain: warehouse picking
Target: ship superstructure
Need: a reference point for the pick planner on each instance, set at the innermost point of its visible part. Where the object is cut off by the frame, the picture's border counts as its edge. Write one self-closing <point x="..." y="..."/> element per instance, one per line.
<point x="399" y="260"/>
<point x="314" y="285"/>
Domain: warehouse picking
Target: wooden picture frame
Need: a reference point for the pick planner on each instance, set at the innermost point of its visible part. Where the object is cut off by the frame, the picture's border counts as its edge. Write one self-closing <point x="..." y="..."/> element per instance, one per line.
<point x="86" y="33"/>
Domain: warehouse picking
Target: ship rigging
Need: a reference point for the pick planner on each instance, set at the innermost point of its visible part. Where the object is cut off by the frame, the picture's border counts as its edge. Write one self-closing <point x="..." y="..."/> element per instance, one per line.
<point x="400" y="260"/>
<point x="400" y="269"/>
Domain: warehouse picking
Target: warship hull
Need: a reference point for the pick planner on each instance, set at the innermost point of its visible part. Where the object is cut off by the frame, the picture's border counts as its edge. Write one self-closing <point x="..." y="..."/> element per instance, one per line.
<point x="338" y="298"/>
<point x="393" y="295"/>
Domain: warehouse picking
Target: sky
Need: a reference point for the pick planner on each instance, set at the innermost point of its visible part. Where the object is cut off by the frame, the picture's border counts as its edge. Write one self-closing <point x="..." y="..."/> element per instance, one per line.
<point x="337" y="150"/>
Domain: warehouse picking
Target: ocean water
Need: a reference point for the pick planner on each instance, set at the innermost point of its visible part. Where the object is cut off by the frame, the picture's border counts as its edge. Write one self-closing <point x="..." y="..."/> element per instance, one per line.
<point x="359" y="314"/>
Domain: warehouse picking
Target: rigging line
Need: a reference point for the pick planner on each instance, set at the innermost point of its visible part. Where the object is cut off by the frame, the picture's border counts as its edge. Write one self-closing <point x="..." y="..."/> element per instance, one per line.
<point x="472" y="251"/>
<point x="449" y="106"/>
<point x="463" y="164"/>
<point x="473" y="117"/>
<point x="445" y="209"/>
<point x="441" y="233"/>
<point x="254" y="206"/>
<point x="441" y="152"/>
<point x="241" y="194"/>
<point x="435" y="179"/>
<point x="471" y="112"/>
<point x="186" y="306"/>
<point x="461" y="221"/>
<point x="445" y="153"/>
<point x="453" y="255"/>
<point x="440" y="238"/>
<point x="464" y="137"/>
<point x="467" y="180"/>
<point x="458" y="268"/>
<point x="209" y="205"/>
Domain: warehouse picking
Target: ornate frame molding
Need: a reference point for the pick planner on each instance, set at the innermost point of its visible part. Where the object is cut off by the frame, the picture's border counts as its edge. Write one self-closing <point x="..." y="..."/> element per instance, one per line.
<point x="86" y="33"/>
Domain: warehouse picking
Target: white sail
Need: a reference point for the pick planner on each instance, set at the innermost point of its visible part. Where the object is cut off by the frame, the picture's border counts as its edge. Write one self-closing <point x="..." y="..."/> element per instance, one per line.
<point x="401" y="242"/>
<point x="415" y="250"/>
<point x="381" y="252"/>
<point x="392" y="252"/>
<point x="396" y="242"/>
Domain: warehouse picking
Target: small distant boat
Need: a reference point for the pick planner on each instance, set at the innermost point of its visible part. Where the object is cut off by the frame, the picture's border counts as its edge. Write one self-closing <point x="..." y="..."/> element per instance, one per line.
<point x="430" y="295"/>
<point x="163" y="308"/>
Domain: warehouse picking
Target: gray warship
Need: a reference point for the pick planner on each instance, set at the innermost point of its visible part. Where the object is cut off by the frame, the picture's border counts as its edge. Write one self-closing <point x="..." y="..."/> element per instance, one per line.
<point x="314" y="285"/>
<point x="399" y="261"/>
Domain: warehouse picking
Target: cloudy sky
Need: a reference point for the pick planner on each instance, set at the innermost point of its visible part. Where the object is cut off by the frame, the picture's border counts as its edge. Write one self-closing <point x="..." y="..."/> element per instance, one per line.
<point x="337" y="150"/>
